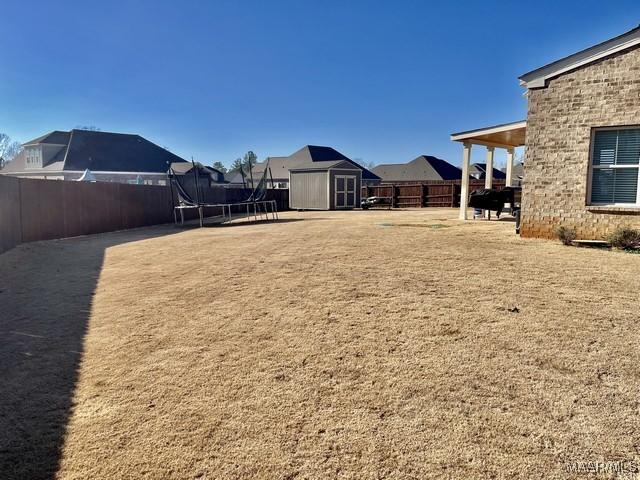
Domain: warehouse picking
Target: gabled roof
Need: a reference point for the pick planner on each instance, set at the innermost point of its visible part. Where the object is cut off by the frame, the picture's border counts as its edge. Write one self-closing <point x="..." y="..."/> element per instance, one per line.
<point x="99" y="152"/>
<point x="517" y="171"/>
<point x="481" y="170"/>
<point x="186" y="168"/>
<point x="538" y="78"/>
<point x="316" y="153"/>
<point x="56" y="137"/>
<point x="307" y="155"/>
<point x="422" y="168"/>
<point x="325" y="165"/>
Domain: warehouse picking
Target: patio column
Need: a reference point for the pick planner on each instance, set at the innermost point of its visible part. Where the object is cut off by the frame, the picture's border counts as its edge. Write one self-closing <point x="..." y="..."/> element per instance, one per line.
<point x="488" y="177"/>
<point x="509" y="180"/>
<point x="464" y="182"/>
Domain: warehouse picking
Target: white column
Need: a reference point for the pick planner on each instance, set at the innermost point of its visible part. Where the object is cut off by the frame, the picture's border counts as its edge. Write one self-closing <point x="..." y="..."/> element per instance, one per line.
<point x="464" y="182"/>
<point x="509" y="180"/>
<point x="488" y="178"/>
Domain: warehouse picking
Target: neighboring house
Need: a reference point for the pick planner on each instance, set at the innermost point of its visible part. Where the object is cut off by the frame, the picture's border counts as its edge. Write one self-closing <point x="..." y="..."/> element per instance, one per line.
<point x="279" y="167"/>
<point x="278" y="179"/>
<point x="479" y="172"/>
<point x="421" y="169"/>
<point x="583" y="141"/>
<point x="517" y="173"/>
<point x="109" y="157"/>
<point x="206" y="174"/>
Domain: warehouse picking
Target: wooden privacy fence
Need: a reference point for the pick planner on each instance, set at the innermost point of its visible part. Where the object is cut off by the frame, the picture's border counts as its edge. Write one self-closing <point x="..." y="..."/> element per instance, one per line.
<point x="426" y="194"/>
<point x="33" y="210"/>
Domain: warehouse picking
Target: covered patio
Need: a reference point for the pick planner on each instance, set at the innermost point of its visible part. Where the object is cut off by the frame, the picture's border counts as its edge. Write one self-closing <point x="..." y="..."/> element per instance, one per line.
<point x="507" y="136"/>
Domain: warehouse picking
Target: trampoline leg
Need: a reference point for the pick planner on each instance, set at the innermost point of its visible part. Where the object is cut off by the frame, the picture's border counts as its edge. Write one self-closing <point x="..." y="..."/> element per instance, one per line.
<point x="181" y="216"/>
<point x="175" y="217"/>
<point x="200" y="214"/>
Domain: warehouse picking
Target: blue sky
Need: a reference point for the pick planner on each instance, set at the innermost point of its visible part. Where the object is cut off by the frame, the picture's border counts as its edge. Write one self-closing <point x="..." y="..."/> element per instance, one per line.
<point x="383" y="81"/>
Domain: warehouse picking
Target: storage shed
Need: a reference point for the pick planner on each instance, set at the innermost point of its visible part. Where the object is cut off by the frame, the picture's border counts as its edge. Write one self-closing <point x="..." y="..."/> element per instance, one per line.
<point x="325" y="186"/>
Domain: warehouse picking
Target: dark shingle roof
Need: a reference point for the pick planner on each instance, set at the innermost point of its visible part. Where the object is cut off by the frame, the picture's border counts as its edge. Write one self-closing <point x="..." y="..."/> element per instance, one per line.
<point x="116" y="152"/>
<point x="307" y="155"/>
<point x="422" y="168"/>
<point x="481" y="170"/>
<point x="100" y="151"/>
<point x="316" y="153"/>
<point x="56" y="137"/>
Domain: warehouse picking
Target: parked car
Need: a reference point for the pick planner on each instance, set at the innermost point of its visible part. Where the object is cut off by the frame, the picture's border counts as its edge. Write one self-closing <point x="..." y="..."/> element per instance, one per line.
<point x="372" y="202"/>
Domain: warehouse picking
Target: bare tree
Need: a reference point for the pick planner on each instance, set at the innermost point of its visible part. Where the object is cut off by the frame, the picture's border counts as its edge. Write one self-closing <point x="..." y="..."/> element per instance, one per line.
<point x="8" y="149"/>
<point x="365" y="164"/>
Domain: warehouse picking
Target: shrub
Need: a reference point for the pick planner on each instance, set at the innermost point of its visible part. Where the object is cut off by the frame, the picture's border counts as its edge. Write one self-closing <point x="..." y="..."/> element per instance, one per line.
<point x="625" y="238"/>
<point x="566" y="234"/>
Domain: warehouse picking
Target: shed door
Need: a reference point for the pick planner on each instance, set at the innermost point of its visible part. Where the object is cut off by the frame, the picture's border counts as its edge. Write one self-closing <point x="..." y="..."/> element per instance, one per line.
<point x="345" y="191"/>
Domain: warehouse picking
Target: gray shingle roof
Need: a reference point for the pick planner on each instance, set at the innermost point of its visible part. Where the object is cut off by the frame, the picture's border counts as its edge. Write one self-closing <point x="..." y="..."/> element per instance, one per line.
<point x="306" y="156"/>
<point x="420" y="169"/>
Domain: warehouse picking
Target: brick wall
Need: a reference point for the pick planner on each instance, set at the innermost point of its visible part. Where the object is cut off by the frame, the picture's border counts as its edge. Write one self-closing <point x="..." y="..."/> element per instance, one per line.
<point x="559" y="125"/>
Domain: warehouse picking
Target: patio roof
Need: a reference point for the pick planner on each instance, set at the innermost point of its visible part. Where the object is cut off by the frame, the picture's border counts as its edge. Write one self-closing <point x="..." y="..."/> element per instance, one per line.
<point x="507" y="135"/>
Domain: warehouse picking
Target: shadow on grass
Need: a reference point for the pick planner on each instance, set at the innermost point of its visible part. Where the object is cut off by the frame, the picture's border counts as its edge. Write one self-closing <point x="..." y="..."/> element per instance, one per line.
<point x="238" y="222"/>
<point x="46" y="294"/>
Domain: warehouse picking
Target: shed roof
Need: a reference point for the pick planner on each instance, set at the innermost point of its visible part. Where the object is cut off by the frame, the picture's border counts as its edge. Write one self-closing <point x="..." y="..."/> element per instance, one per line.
<point x="326" y="165"/>
<point x="307" y="156"/>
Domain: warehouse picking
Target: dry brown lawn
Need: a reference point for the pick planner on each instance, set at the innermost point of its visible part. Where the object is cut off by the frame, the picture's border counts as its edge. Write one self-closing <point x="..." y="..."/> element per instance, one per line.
<point x="333" y="345"/>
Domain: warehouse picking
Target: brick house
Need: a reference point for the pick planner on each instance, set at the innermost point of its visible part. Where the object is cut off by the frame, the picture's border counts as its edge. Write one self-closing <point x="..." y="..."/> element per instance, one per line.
<point x="583" y="141"/>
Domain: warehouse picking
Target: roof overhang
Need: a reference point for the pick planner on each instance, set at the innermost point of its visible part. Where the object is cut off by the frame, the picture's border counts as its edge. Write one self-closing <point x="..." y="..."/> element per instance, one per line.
<point x="507" y="135"/>
<point x="539" y="77"/>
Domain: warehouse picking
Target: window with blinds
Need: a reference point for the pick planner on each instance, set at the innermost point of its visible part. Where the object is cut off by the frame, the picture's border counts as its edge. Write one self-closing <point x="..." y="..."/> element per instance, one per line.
<point x="615" y="166"/>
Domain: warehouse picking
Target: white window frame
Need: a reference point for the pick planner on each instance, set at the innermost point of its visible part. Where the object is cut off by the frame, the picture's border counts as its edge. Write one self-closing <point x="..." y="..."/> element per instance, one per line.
<point x="33" y="157"/>
<point x="593" y="167"/>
